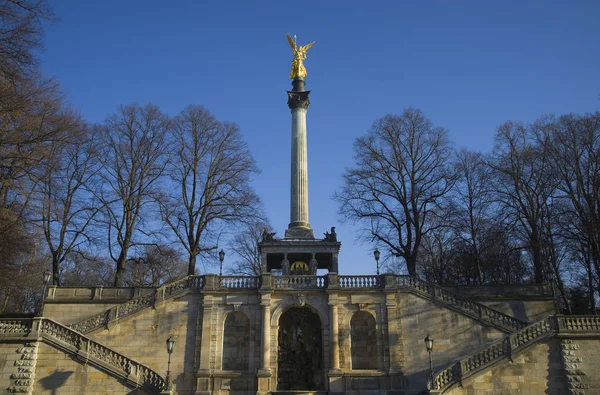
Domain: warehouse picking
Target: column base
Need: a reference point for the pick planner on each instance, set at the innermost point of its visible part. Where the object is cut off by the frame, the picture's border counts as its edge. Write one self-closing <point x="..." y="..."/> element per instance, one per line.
<point x="336" y="381"/>
<point x="264" y="381"/>
<point x="203" y="382"/>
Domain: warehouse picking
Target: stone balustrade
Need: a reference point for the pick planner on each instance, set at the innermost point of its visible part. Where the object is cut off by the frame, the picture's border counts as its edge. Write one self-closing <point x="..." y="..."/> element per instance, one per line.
<point x="514" y="343"/>
<point x="369" y="281"/>
<point x="239" y="282"/>
<point x="80" y="346"/>
<point x="15" y="327"/>
<point x="212" y="282"/>
<point x="299" y="282"/>
<point x="477" y="310"/>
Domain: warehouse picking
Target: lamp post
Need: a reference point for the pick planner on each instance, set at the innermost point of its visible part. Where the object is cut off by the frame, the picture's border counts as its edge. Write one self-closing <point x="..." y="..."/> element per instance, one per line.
<point x="221" y="258"/>
<point x="377" y="254"/>
<point x="46" y="276"/>
<point x="170" y="345"/>
<point x="429" y="347"/>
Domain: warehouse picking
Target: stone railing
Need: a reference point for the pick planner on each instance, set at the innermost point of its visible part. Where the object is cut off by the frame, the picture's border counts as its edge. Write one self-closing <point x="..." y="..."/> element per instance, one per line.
<point x="299" y="282"/>
<point x="515" y="342"/>
<point x="82" y="347"/>
<point x="474" y="309"/>
<point x="167" y="291"/>
<point x="369" y="281"/>
<point x="15" y="327"/>
<point x="578" y="324"/>
<point x="239" y="282"/>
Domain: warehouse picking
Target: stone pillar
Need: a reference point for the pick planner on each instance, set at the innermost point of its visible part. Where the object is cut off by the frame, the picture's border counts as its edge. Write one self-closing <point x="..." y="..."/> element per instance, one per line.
<point x="394" y="334"/>
<point x="264" y="373"/>
<point x="204" y="375"/>
<point x="335" y="374"/>
<point x="298" y="102"/>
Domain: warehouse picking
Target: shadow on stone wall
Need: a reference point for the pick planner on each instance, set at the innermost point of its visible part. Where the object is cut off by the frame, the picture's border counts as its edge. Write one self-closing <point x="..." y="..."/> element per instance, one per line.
<point x="556" y="380"/>
<point x="519" y="311"/>
<point x="56" y="380"/>
<point x="190" y="364"/>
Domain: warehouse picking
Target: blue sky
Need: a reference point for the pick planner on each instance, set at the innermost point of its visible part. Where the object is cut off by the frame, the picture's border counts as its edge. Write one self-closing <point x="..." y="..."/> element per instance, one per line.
<point x="469" y="65"/>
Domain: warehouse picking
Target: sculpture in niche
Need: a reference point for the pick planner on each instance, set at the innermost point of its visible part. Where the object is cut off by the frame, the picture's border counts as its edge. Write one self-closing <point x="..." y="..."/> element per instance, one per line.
<point x="285" y="266"/>
<point x="312" y="267"/>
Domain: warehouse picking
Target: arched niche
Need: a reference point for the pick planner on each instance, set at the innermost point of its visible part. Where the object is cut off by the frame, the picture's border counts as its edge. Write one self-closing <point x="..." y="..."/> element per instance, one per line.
<point x="236" y="342"/>
<point x="363" y="341"/>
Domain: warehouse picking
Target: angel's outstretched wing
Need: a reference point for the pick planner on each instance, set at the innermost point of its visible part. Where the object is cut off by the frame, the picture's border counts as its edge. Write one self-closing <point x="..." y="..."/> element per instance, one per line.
<point x="306" y="47"/>
<point x="292" y="43"/>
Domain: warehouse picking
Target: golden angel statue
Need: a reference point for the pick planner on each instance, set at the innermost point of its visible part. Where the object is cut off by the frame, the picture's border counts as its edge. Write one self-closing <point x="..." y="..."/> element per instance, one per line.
<point x="298" y="69"/>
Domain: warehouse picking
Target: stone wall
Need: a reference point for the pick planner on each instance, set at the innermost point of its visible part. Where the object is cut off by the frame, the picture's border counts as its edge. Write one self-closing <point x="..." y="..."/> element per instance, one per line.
<point x="143" y="336"/>
<point x="388" y="351"/>
<point x="69" y="313"/>
<point x="581" y="359"/>
<point x="538" y="370"/>
<point x="525" y="310"/>
<point x="58" y="373"/>
<point x="17" y="366"/>
<point x="455" y="336"/>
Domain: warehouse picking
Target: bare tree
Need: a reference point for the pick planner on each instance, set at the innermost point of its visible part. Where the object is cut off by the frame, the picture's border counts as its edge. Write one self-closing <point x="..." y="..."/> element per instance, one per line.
<point x="67" y="206"/>
<point x="525" y="183"/>
<point x="155" y="266"/>
<point x="573" y="144"/>
<point x="21" y="33"/>
<point x="402" y="172"/>
<point x="245" y="247"/>
<point x="471" y="204"/>
<point x="211" y="168"/>
<point x="133" y="161"/>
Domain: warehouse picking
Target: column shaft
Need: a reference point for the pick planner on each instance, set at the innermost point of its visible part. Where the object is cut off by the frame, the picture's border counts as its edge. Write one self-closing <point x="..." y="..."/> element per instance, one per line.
<point x="335" y="347"/>
<point x="266" y="337"/>
<point x="299" y="171"/>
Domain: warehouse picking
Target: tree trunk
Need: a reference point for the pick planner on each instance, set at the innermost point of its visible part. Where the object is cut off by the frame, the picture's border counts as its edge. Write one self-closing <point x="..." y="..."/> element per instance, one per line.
<point x="55" y="271"/>
<point x="120" y="273"/>
<point x="411" y="265"/>
<point x="192" y="265"/>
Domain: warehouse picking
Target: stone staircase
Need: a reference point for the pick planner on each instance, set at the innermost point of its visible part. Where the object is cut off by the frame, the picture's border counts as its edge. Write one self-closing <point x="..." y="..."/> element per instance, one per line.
<point x="436" y="294"/>
<point x="78" y="346"/>
<point x="508" y="347"/>
<point x="460" y="304"/>
<point x="138" y="304"/>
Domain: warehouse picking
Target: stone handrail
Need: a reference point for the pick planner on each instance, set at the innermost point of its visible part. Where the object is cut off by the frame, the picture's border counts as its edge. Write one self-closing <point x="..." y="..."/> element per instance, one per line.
<point x="510" y="345"/>
<point x="70" y="341"/>
<point x="474" y="309"/>
<point x="239" y="282"/>
<point x="368" y="281"/>
<point x="167" y="291"/>
<point x="15" y="327"/>
<point x="299" y="282"/>
<point x="578" y="324"/>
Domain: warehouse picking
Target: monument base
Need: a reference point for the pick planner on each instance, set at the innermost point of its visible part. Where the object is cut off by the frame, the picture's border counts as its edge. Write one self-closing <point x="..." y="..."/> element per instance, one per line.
<point x="299" y="233"/>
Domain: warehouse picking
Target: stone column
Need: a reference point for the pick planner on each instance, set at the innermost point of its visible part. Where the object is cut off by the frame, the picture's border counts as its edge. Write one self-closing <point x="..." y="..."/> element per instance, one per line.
<point x="394" y="332"/>
<point x="298" y="102"/>
<point x="264" y="373"/>
<point x="335" y="374"/>
<point x="204" y="379"/>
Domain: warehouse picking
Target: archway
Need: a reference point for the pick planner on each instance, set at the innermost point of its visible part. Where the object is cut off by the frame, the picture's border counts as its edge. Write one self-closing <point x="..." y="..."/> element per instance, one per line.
<point x="299" y="362"/>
